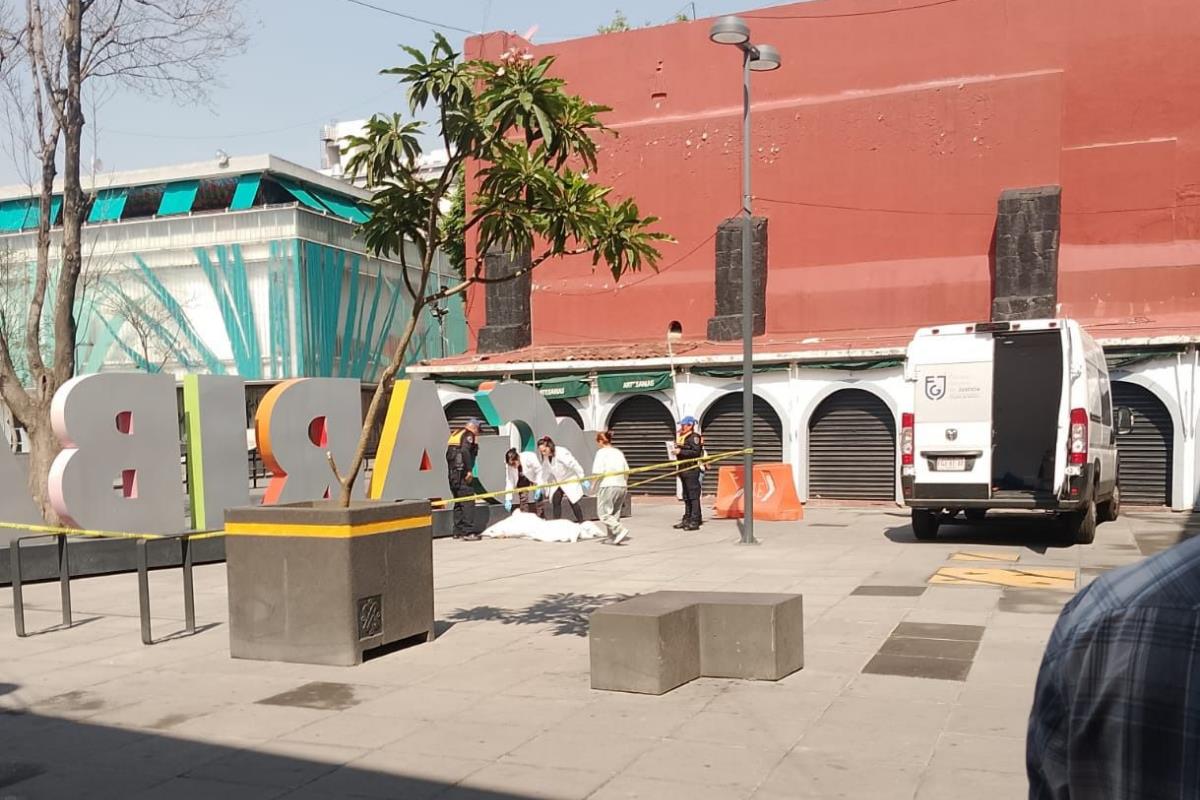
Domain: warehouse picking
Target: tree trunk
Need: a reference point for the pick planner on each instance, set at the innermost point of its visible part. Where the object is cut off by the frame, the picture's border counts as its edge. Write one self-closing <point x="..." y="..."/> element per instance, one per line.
<point x="374" y="411"/>
<point x="43" y="447"/>
<point x="72" y="251"/>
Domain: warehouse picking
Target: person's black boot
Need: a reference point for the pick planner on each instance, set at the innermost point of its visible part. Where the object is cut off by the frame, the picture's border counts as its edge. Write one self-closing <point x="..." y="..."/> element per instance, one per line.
<point x="680" y="525"/>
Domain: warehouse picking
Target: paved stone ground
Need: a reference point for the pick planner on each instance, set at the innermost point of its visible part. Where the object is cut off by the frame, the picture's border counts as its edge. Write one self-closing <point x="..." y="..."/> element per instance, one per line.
<point x="500" y="707"/>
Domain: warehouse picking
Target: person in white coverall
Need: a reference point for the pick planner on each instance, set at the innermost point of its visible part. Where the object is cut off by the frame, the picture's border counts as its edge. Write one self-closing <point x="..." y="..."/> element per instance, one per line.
<point x="610" y="497"/>
<point x="559" y="466"/>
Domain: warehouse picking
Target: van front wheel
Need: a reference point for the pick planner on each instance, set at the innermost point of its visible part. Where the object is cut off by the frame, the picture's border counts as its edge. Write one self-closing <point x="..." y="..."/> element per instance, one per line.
<point x="1081" y="525"/>
<point x="925" y="524"/>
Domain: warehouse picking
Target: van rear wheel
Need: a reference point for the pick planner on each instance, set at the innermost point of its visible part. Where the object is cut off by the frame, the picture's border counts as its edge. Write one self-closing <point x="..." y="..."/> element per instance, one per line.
<point x="1081" y="525"/>
<point x="1110" y="509"/>
<point x="925" y="524"/>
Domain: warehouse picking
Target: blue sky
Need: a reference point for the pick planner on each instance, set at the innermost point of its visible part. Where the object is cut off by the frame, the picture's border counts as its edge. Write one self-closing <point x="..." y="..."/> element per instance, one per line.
<point x="313" y="61"/>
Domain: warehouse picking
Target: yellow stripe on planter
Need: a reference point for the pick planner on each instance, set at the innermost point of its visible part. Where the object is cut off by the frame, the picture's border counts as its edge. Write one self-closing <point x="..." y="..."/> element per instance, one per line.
<point x="325" y="531"/>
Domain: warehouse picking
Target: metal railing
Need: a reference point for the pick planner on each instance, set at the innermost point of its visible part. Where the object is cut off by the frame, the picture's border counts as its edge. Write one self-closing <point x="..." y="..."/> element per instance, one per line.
<point x="142" y="546"/>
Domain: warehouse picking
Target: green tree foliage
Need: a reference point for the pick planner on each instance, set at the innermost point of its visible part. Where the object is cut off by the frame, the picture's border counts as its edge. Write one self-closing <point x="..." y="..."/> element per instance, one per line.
<point x="531" y="146"/>
<point x="619" y="23"/>
<point x="453" y="235"/>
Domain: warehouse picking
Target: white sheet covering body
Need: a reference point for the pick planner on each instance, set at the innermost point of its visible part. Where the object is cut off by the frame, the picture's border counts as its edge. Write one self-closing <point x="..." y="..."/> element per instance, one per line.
<point x="521" y="525"/>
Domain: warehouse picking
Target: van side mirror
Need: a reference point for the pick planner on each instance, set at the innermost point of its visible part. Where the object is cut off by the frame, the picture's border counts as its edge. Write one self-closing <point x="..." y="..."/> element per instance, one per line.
<point x="1124" y="421"/>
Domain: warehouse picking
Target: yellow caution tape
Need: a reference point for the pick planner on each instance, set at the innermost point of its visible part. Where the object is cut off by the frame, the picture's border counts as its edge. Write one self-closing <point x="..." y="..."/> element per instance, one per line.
<point x="678" y="467"/>
<point x="54" y="530"/>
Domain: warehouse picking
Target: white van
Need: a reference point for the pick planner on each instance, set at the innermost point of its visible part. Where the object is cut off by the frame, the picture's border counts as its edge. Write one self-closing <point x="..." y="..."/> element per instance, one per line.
<point x="1010" y="415"/>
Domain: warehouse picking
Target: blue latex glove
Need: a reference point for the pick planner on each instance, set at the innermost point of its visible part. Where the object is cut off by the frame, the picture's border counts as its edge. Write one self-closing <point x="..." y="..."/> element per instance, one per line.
<point x="508" y="505"/>
<point x="587" y="486"/>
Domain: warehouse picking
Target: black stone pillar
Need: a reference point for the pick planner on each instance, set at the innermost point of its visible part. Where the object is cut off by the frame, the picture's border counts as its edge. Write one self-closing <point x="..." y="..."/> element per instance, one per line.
<point x="726" y="326"/>
<point x="1025" y="270"/>
<point x="507" y="304"/>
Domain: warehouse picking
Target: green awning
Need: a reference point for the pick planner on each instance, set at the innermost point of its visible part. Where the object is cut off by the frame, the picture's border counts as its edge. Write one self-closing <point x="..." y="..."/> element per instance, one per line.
<point x="342" y="206"/>
<point x="564" y="387"/>
<point x="1127" y="358"/>
<point x="13" y="214"/>
<point x="108" y="206"/>
<point x="302" y="194"/>
<point x="178" y="198"/>
<point x="246" y="192"/>
<point x="35" y="211"/>
<point x="635" y="382"/>
<point x="736" y="372"/>
<point x="853" y="366"/>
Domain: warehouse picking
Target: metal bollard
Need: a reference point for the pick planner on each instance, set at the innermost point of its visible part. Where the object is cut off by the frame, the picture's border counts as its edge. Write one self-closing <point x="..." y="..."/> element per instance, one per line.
<point x="64" y="580"/>
<point x="189" y="599"/>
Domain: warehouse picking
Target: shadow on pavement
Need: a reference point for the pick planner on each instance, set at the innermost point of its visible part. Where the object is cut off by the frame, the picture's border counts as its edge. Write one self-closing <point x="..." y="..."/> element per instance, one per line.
<point x="1037" y="532"/>
<point x="49" y="757"/>
<point x="1155" y="531"/>
<point x="566" y="612"/>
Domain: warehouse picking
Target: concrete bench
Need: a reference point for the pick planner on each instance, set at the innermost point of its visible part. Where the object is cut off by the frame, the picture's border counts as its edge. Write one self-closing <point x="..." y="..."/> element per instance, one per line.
<point x="655" y="642"/>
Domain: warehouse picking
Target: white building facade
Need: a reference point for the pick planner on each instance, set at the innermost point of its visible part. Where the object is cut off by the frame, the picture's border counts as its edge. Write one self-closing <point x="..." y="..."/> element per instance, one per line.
<point x="249" y="266"/>
<point x="834" y="418"/>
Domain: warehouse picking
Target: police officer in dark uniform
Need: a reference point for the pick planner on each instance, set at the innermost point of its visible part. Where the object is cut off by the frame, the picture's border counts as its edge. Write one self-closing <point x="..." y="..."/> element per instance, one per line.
<point x="461" y="452"/>
<point x="689" y="445"/>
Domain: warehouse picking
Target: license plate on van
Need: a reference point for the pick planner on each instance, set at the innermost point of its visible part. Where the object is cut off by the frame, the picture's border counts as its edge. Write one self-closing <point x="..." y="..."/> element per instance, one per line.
<point x="958" y="464"/>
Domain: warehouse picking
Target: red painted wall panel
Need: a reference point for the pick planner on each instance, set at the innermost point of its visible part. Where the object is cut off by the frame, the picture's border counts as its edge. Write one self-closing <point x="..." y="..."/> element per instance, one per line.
<point x="879" y="152"/>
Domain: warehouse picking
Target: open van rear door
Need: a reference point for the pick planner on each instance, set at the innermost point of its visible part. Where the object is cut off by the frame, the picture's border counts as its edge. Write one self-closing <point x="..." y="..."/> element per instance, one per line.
<point x="952" y="431"/>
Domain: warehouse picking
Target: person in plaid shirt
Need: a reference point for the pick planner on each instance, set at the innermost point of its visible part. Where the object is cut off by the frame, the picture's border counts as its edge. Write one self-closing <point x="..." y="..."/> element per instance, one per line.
<point x="1116" y="712"/>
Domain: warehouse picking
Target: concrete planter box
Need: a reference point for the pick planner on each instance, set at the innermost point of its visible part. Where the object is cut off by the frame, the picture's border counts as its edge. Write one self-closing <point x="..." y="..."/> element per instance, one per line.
<point x="317" y="584"/>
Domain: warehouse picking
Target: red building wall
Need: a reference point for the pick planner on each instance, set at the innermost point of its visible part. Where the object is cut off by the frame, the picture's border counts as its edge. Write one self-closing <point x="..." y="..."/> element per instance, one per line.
<point x="880" y="149"/>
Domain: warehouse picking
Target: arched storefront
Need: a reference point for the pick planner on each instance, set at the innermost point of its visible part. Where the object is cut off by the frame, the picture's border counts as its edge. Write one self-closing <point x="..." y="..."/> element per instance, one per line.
<point x="1147" y="452"/>
<point x="722" y="429"/>
<point x="459" y="412"/>
<point x="640" y="426"/>
<point x="564" y="408"/>
<point x="852" y="448"/>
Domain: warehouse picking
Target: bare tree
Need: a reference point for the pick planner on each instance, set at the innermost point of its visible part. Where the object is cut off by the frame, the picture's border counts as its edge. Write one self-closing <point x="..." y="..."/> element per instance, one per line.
<point x="153" y="328"/>
<point x="48" y="54"/>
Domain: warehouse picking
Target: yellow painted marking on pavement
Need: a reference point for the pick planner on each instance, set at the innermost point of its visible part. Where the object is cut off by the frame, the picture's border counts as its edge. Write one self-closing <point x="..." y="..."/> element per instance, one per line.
<point x="1012" y="558"/>
<point x="1034" y="578"/>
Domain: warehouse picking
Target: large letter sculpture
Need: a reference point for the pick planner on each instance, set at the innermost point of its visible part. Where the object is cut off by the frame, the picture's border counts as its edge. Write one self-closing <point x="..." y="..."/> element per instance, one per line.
<point x="411" y="463"/>
<point x="122" y="429"/>
<point x="214" y="407"/>
<point x="298" y="422"/>
<point x="523" y="406"/>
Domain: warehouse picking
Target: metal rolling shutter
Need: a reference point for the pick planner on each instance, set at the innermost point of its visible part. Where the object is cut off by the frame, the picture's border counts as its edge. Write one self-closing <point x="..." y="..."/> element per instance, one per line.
<point x="563" y="408"/>
<point x="1146" y="451"/>
<point x="459" y="412"/>
<point x="852" y="448"/>
<point x="722" y="429"/>
<point x="639" y="427"/>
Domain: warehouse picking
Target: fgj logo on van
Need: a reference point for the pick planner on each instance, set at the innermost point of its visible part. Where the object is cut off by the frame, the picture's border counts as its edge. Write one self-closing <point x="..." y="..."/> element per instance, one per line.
<point x="935" y="387"/>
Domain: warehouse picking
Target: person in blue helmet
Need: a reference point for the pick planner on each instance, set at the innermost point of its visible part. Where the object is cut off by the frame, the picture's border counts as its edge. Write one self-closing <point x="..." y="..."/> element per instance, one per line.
<point x="689" y="445"/>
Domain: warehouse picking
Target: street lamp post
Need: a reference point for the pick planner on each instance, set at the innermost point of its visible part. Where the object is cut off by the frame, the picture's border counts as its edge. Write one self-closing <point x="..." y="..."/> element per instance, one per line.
<point x="755" y="58"/>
